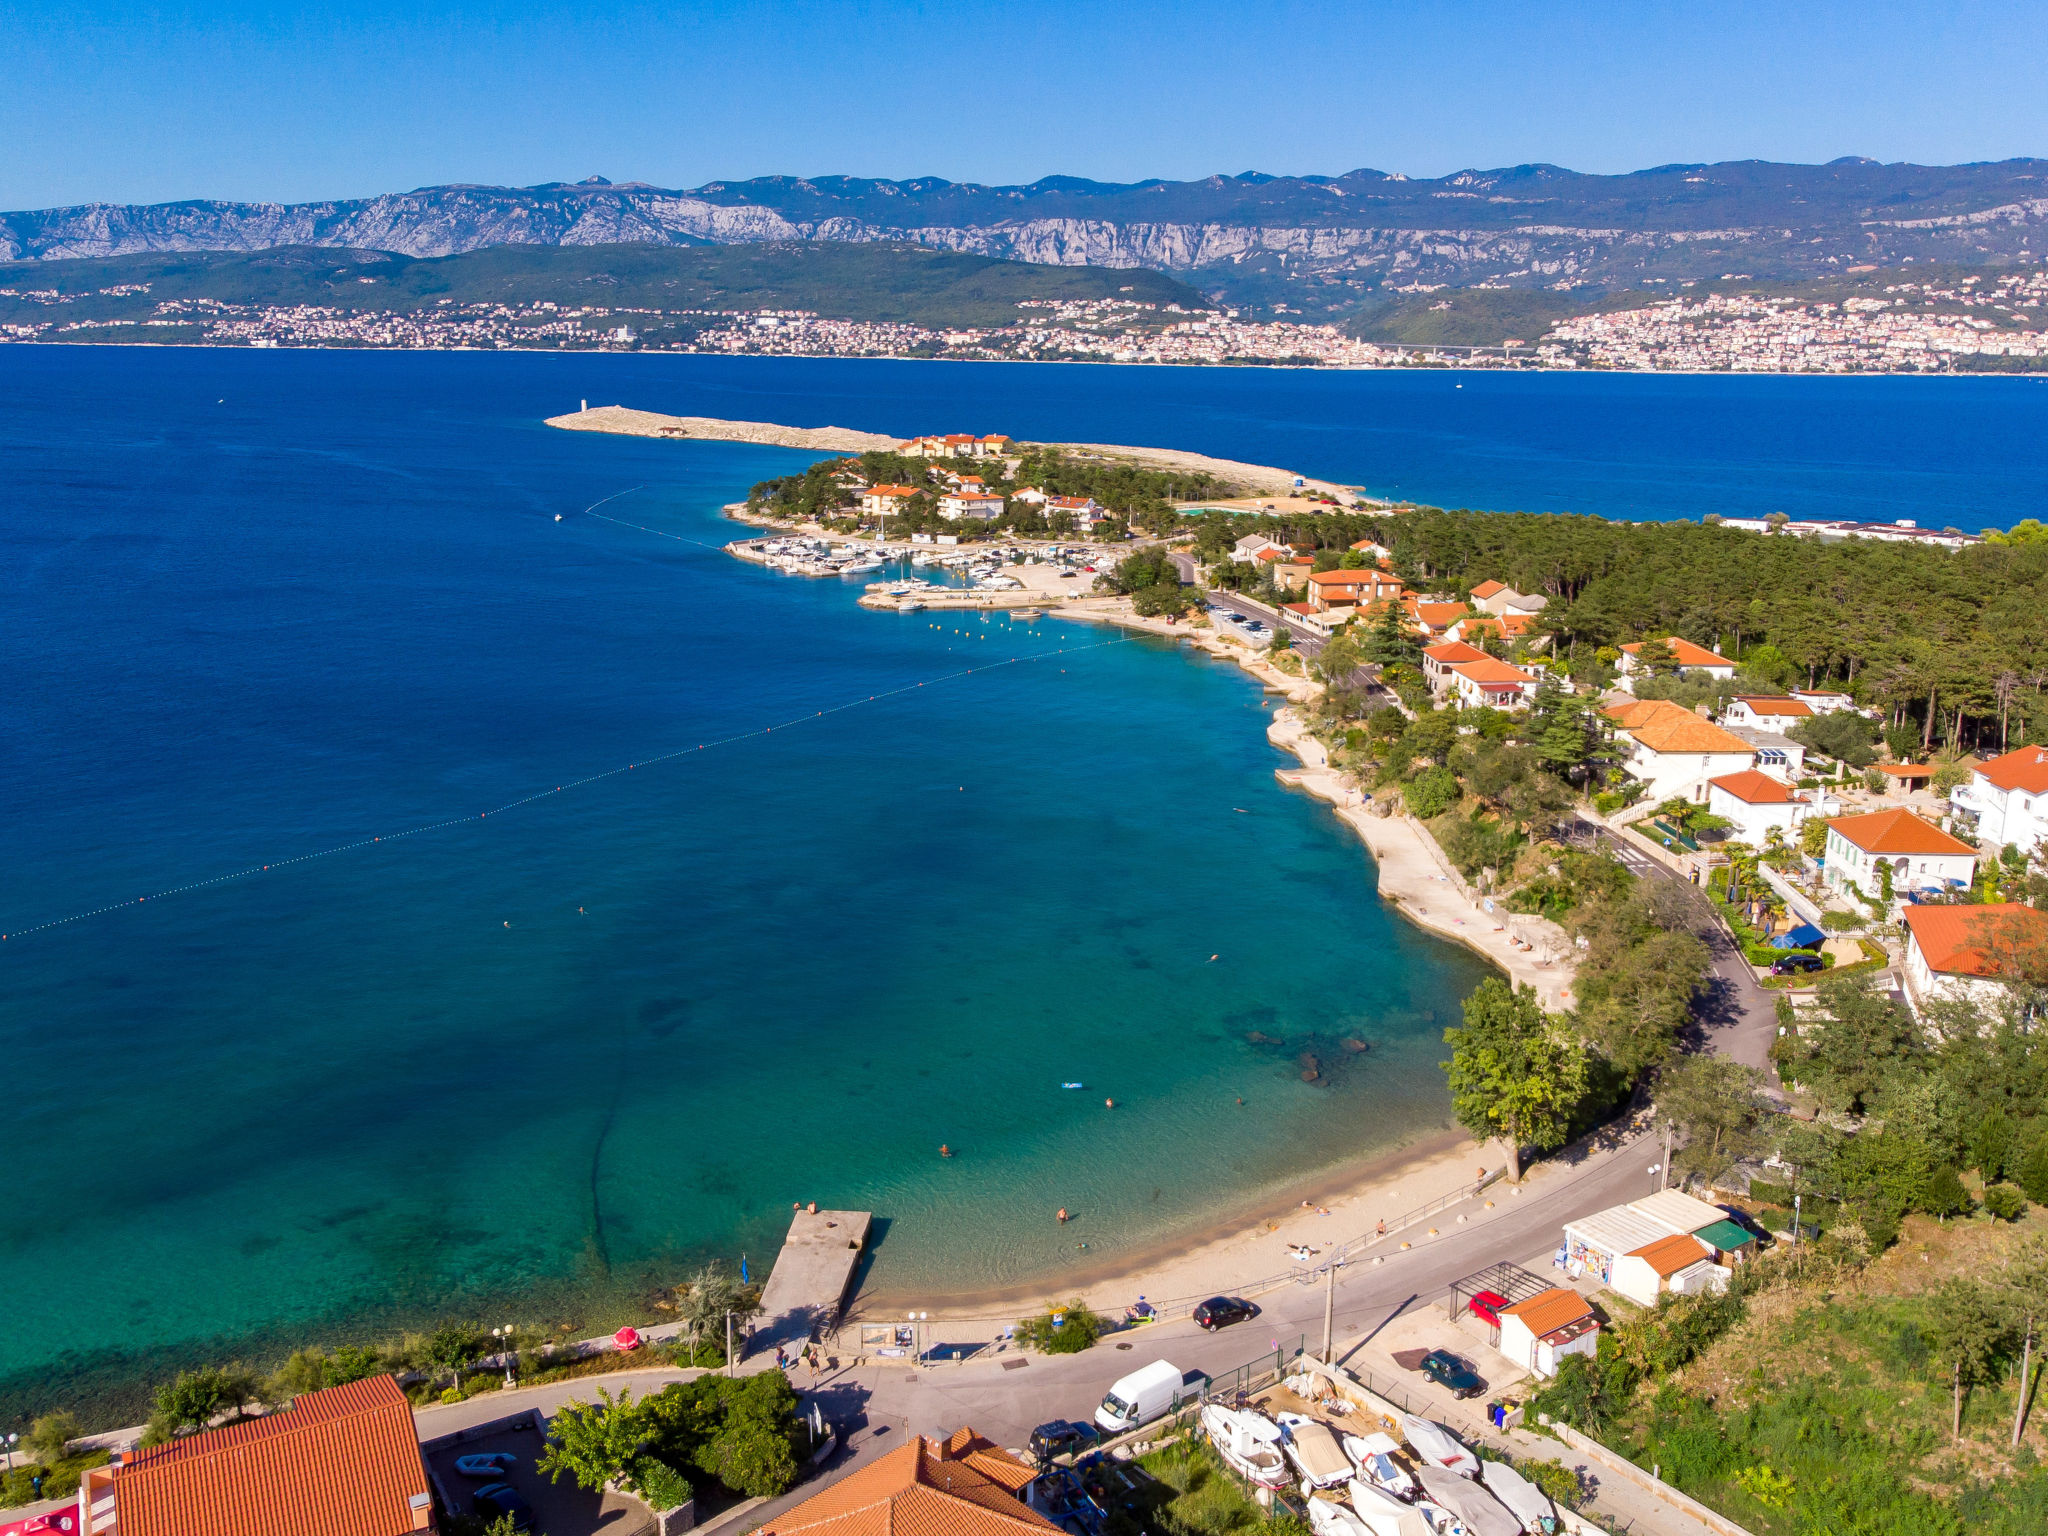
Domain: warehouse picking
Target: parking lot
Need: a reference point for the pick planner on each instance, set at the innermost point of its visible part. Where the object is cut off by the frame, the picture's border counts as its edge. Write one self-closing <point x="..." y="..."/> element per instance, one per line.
<point x="559" y="1509"/>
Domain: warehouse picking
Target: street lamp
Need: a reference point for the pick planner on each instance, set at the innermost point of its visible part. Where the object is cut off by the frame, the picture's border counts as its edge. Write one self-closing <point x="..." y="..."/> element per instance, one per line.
<point x="511" y="1349"/>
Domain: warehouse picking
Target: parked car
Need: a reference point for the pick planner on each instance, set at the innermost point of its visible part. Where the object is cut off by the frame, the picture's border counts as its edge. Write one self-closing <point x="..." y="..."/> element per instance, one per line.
<point x="1222" y="1311"/>
<point x="1795" y="965"/>
<point x="1062" y="1437"/>
<point x="487" y="1464"/>
<point x="1452" y="1374"/>
<point x="500" y="1500"/>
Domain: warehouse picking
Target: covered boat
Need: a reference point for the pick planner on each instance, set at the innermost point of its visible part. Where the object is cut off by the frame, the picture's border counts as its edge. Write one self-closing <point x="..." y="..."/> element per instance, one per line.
<point x="1312" y="1448"/>
<point x="1477" y="1510"/>
<point x="1248" y="1441"/>
<point x="1326" y="1517"/>
<point x="1374" y="1456"/>
<point x="1524" y="1500"/>
<point x="1386" y="1515"/>
<point x="1438" y="1447"/>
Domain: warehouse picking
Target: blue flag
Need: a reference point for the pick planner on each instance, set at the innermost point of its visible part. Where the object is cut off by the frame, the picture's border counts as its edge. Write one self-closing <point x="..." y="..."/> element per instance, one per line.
<point x="743" y="1269"/>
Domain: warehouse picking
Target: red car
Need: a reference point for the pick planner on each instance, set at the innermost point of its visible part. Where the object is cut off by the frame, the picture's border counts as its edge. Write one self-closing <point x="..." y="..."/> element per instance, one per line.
<point x="1486" y="1306"/>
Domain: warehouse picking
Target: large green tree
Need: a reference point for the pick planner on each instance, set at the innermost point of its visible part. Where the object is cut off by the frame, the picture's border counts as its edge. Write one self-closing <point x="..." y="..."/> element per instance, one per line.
<point x="1514" y="1072"/>
<point x="595" y="1443"/>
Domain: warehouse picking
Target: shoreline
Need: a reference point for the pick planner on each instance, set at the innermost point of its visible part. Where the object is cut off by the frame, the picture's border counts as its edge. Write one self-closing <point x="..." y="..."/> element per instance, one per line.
<point x="1073" y="362"/>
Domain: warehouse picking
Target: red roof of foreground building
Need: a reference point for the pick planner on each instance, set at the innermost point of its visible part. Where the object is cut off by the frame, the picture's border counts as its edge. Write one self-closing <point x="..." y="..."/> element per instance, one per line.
<point x="1964" y="940"/>
<point x="1686" y="654"/>
<point x="1753" y="788"/>
<point x="966" y="1487"/>
<point x="344" y="1461"/>
<point x="1488" y="588"/>
<point x="1774" y="706"/>
<point x="2025" y="769"/>
<point x="1449" y="651"/>
<point x="1896" y="832"/>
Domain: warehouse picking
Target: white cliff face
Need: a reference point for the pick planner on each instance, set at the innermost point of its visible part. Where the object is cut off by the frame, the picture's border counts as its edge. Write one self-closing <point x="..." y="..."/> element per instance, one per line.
<point x="1353" y="234"/>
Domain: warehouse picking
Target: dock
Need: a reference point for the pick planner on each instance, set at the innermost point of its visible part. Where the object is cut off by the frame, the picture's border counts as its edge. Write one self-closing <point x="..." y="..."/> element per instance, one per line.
<point x="808" y="1284"/>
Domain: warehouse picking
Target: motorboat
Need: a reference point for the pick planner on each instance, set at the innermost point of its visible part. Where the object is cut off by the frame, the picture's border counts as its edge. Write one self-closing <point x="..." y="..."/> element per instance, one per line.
<point x="1326" y="1517"/>
<point x="1249" y="1442"/>
<point x="1478" y="1511"/>
<point x="1524" y="1500"/>
<point x="1312" y="1448"/>
<point x="1438" y="1447"/>
<point x="1385" y="1515"/>
<point x="860" y="566"/>
<point x="1374" y="1456"/>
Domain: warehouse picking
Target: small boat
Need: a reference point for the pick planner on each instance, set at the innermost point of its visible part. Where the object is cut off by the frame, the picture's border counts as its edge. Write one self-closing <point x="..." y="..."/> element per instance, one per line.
<point x="558" y="517"/>
<point x="1374" y="1456"/>
<point x="1385" y="1515"/>
<point x="1326" y="1517"/>
<point x="1524" y="1500"/>
<point x="1312" y="1448"/>
<point x="1437" y="1446"/>
<point x="1248" y="1442"/>
<point x="1478" y="1511"/>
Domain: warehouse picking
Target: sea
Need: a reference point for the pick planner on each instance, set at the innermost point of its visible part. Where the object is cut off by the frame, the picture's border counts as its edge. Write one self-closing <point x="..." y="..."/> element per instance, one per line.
<point x="426" y="900"/>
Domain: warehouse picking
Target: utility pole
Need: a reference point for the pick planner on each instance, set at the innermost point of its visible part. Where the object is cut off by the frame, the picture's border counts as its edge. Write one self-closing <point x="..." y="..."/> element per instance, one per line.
<point x="1329" y="1306"/>
<point x="728" y="1345"/>
<point x="1665" y="1178"/>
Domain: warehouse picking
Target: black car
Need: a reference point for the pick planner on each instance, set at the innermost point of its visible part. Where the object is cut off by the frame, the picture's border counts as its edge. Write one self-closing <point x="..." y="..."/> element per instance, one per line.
<point x="1452" y="1374"/>
<point x="1795" y="965"/>
<point x="1062" y="1437"/>
<point x="500" y="1500"/>
<point x="1222" y="1311"/>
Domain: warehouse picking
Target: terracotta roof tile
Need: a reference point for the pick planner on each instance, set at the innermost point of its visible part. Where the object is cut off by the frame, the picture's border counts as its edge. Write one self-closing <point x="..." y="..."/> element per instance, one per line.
<point x="920" y="1490"/>
<point x="1686" y="654"/>
<point x="1897" y="832"/>
<point x="2026" y="769"/>
<point x="1686" y="732"/>
<point x="1668" y="1255"/>
<point x="1489" y="670"/>
<point x="1775" y="706"/>
<point x="344" y="1461"/>
<point x="1488" y="588"/>
<point x="1753" y="788"/>
<point x="1548" y="1311"/>
<point x="1642" y="712"/>
<point x="1965" y="940"/>
<point x="1453" y="650"/>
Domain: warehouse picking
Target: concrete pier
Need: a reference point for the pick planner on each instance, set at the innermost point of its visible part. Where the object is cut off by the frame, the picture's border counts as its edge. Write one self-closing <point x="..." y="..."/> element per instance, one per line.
<point x="807" y="1286"/>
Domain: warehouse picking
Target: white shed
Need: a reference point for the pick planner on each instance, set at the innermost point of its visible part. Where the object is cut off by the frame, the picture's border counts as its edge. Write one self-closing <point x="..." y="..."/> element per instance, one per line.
<point x="1679" y="1264"/>
<point x="1541" y="1331"/>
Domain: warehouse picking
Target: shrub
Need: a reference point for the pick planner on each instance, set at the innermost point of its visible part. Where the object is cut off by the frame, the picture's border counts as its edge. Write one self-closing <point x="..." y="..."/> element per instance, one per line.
<point x="1432" y="792"/>
<point x="1076" y="1329"/>
<point x="1944" y="1194"/>
<point x="2008" y="1202"/>
<point x="660" y="1484"/>
<point x="50" y="1437"/>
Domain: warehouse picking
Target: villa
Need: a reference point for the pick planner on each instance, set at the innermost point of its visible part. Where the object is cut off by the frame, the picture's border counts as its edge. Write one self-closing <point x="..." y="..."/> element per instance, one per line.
<point x="2007" y="798"/>
<point x="1968" y="953"/>
<point x="1754" y="803"/>
<point x="1675" y="751"/>
<point x="1765" y="714"/>
<point x="1918" y="854"/>
<point x="879" y="500"/>
<point x="1689" y="659"/>
<point x="964" y="1486"/>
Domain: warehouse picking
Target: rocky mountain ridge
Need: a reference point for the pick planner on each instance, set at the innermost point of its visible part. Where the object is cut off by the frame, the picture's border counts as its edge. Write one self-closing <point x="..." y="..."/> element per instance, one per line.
<point x="1315" y="245"/>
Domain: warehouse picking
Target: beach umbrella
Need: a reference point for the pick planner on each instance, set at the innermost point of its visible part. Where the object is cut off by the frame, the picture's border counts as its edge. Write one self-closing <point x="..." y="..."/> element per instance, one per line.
<point x="627" y="1338"/>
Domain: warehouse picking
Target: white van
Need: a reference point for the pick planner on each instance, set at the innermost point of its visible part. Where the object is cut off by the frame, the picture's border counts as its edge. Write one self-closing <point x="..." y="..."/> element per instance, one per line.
<point x="1143" y="1396"/>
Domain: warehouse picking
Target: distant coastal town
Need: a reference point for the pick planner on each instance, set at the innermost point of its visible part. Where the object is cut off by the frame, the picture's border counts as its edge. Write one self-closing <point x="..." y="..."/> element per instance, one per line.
<point x="1972" y="323"/>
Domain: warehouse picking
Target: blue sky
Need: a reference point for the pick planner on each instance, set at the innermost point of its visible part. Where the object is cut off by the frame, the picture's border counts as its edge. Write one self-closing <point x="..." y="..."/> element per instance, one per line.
<point x="133" y="104"/>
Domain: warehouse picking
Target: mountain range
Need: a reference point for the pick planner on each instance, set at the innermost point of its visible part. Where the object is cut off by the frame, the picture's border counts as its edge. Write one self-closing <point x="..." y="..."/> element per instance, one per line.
<point x="1319" y="246"/>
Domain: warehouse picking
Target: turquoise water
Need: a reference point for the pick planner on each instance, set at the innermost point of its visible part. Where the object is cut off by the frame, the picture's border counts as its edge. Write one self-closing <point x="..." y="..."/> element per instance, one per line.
<point x="528" y="1066"/>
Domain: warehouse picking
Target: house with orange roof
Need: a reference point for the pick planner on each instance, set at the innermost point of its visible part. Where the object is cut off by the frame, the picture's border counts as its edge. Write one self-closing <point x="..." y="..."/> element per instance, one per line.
<point x="1918" y="854"/>
<point x="1678" y="1265"/>
<point x="1753" y="803"/>
<point x="881" y="500"/>
<point x="1507" y="627"/>
<point x="1687" y="657"/>
<point x="965" y="503"/>
<point x="1350" y="591"/>
<point x="1765" y="714"/>
<point x="1972" y="952"/>
<point x="1085" y="513"/>
<point x="1489" y="683"/>
<point x="343" y="1461"/>
<point x="1438" y="659"/>
<point x="2006" y="800"/>
<point x="1823" y="701"/>
<point x="1432" y="619"/>
<point x="1674" y="751"/>
<point x="964" y="1485"/>
<point x="1539" y="1332"/>
<point x="1499" y="599"/>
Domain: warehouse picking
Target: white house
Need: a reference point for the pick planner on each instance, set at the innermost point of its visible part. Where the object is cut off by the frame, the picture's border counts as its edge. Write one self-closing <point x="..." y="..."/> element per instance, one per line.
<point x="1086" y="512"/>
<point x="1679" y="1264"/>
<point x="2008" y="798"/>
<point x="967" y="504"/>
<point x="1253" y="545"/>
<point x="1550" y="1325"/>
<point x="1675" y="751"/>
<point x="1498" y="598"/>
<point x="1754" y="803"/>
<point x="1437" y="661"/>
<point x="1491" y="683"/>
<point x="878" y="500"/>
<point x="1964" y="952"/>
<point x="1688" y="659"/>
<point x="1823" y="701"/>
<point x="1919" y="854"/>
<point x="1765" y="714"/>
